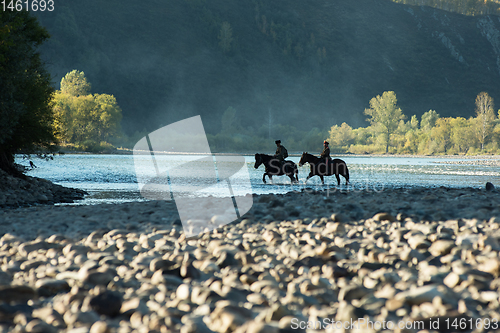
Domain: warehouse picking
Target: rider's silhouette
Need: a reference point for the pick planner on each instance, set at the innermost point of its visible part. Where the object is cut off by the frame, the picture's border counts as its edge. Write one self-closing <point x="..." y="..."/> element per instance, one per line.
<point x="281" y="153"/>
<point x="325" y="154"/>
<point x="326" y="150"/>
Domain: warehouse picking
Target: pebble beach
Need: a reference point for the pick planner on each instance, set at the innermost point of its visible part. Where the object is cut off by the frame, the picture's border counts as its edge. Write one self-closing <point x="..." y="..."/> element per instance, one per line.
<point x="395" y="260"/>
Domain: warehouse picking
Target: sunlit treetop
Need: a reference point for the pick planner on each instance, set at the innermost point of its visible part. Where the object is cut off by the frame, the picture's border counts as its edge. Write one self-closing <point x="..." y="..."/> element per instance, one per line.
<point x="75" y="84"/>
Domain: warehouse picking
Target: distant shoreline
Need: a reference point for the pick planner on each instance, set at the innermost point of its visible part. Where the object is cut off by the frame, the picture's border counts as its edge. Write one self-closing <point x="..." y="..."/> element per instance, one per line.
<point x="126" y="151"/>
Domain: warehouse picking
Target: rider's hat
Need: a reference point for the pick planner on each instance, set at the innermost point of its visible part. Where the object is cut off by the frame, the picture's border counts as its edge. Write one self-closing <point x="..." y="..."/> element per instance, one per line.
<point x="277" y="141"/>
<point x="326" y="142"/>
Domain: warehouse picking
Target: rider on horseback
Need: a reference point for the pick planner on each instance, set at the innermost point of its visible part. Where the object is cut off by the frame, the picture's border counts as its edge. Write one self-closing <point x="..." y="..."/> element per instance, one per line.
<point x="281" y="153"/>
<point x="325" y="154"/>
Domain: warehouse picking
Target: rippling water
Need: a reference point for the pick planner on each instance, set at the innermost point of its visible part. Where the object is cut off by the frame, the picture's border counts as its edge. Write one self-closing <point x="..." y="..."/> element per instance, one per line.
<point x="112" y="179"/>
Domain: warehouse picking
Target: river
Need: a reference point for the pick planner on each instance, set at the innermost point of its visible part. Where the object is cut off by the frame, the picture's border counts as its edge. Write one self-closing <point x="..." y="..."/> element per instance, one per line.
<point x="112" y="178"/>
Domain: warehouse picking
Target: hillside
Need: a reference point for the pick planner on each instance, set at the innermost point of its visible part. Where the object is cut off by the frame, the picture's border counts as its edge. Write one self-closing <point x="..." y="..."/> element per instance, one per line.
<point x="304" y="63"/>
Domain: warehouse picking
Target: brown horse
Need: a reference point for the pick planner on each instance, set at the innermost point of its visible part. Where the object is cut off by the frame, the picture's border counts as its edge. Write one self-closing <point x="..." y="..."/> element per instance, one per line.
<point x="320" y="168"/>
<point x="274" y="168"/>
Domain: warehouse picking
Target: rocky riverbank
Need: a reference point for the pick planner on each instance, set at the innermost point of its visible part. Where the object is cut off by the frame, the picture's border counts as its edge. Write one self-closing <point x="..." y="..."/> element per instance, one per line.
<point x="28" y="191"/>
<point x="295" y="262"/>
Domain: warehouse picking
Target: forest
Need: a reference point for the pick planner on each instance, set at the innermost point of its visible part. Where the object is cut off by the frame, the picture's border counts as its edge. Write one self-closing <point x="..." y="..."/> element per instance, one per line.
<point x="292" y="64"/>
<point x="91" y="122"/>
<point x="259" y="70"/>
<point x="390" y="131"/>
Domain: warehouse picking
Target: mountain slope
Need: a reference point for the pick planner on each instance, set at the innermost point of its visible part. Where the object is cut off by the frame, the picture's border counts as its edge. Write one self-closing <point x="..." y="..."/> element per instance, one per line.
<point x="305" y="63"/>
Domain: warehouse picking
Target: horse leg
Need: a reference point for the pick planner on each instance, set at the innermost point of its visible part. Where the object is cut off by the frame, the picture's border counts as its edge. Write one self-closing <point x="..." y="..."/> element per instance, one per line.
<point x="341" y="169"/>
<point x="338" y="179"/>
<point x="270" y="178"/>
<point x="322" y="179"/>
<point x="291" y="173"/>
<point x="308" y="177"/>
<point x="264" y="178"/>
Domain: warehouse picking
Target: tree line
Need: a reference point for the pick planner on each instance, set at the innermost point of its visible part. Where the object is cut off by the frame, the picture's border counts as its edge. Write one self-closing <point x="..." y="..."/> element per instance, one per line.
<point x="388" y="131"/>
<point x="91" y="122"/>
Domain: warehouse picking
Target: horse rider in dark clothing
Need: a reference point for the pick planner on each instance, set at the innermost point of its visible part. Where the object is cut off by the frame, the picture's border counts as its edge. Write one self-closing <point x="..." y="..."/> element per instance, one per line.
<point x="281" y="152"/>
<point x="326" y="152"/>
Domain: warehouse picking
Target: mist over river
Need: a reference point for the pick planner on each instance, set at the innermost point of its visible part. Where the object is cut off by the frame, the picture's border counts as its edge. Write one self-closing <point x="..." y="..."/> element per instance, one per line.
<point x="112" y="178"/>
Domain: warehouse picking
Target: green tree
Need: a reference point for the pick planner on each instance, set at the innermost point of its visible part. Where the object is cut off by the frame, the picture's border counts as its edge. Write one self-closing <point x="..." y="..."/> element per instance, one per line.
<point x="427" y="123"/>
<point x="496" y="134"/>
<point x="109" y="116"/>
<point x="385" y="115"/>
<point x="62" y="108"/>
<point x="485" y="116"/>
<point x="411" y="136"/>
<point x="441" y="136"/>
<point x="83" y="121"/>
<point x="462" y="134"/>
<point x="428" y="120"/>
<point x="25" y="95"/>
<point x="75" y="84"/>
<point x="413" y="123"/>
<point x="88" y="121"/>
<point x="341" y="137"/>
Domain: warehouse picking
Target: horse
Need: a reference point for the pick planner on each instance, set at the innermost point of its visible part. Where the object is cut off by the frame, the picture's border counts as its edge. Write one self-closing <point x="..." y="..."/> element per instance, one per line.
<point x="319" y="168"/>
<point x="273" y="168"/>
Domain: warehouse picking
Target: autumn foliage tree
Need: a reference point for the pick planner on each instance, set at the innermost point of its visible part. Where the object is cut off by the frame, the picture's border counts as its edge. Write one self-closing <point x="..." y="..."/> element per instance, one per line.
<point x="484" y="117"/>
<point x="340" y="137"/>
<point x="385" y="115"/>
<point x="75" y="84"/>
<point x="89" y="122"/>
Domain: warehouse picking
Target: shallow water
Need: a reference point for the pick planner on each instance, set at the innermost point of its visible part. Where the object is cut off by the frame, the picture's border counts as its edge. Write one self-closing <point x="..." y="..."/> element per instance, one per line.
<point x="112" y="178"/>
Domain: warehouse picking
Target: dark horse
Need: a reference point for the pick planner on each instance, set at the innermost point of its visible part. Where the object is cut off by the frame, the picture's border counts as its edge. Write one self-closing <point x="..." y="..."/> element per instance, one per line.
<point x="319" y="167"/>
<point x="273" y="167"/>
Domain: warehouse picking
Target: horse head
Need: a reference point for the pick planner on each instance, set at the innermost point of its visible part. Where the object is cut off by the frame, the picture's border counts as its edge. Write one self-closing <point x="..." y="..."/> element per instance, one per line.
<point x="258" y="161"/>
<point x="302" y="159"/>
